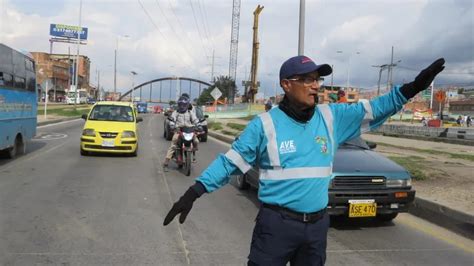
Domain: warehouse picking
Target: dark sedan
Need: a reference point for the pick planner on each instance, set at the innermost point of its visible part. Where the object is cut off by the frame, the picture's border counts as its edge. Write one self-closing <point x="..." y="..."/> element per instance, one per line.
<point x="364" y="183"/>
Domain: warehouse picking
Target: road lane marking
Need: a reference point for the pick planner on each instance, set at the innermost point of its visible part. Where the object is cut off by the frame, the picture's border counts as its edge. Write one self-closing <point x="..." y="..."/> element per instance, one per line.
<point x="59" y="123"/>
<point x="163" y="176"/>
<point x="437" y="232"/>
<point x="50" y="136"/>
<point x="33" y="156"/>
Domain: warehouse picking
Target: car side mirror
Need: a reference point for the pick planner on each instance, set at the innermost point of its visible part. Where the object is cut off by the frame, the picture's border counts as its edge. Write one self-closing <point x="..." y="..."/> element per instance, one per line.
<point x="84" y="116"/>
<point x="372" y="145"/>
<point x="206" y="116"/>
<point x="139" y="119"/>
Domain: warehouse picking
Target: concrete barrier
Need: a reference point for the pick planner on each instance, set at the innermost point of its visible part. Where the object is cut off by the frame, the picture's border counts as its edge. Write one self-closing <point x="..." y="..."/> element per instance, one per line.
<point x="455" y="135"/>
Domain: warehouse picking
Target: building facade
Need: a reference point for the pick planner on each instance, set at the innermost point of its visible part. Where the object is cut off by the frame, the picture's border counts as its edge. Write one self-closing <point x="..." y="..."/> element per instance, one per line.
<point x="59" y="69"/>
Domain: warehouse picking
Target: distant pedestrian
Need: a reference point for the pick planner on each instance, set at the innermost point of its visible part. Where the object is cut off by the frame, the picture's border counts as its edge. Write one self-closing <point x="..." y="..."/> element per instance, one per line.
<point x="459" y="121"/>
<point x="468" y="121"/>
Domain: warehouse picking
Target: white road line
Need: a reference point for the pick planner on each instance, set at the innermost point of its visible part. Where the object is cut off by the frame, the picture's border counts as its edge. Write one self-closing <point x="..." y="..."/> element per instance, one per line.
<point x="25" y="159"/>
<point x="59" y="123"/>
<point x="180" y="231"/>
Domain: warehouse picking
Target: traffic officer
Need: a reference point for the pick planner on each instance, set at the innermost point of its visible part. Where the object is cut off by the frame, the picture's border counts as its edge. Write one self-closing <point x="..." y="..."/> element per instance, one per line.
<point x="294" y="146"/>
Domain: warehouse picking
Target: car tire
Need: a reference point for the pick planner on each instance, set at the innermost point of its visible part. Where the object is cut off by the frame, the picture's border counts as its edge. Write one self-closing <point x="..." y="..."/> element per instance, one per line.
<point x="242" y="182"/>
<point x="386" y="217"/>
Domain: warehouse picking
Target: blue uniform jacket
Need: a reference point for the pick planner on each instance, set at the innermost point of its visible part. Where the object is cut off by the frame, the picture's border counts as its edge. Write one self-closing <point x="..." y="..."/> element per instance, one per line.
<point x="295" y="158"/>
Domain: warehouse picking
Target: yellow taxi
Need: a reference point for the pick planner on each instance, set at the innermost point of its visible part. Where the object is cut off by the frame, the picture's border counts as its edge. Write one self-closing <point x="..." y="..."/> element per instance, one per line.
<point x="111" y="127"/>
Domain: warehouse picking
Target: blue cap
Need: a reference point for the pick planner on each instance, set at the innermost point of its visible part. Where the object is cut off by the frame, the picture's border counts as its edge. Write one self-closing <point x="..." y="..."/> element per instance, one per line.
<point x="301" y="64"/>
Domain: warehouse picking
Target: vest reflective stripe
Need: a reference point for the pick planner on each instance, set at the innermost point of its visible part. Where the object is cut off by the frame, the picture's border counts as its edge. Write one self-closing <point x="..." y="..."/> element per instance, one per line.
<point x="295" y="173"/>
<point x="237" y="159"/>
<point x="328" y="118"/>
<point x="369" y="116"/>
<point x="272" y="146"/>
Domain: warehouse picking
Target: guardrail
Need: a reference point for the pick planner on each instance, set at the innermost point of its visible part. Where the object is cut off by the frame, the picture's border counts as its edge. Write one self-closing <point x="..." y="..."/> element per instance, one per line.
<point x="464" y="135"/>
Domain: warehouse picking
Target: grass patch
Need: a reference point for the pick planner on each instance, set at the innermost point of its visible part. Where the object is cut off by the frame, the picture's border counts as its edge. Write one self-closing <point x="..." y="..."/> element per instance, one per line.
<point x="69" y="112"/>
<point x="468" y="157"/>
<point x="248" y="118"/>
<point x="230" y="133"/>
<point x="414" y="165"/>
<point x="215" y="125"/>
<point x="238" y="127"/>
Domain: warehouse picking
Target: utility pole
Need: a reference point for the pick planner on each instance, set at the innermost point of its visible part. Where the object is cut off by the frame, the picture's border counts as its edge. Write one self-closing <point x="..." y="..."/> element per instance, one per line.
<point x="301" y="28"/>
<point x="77" y="58"/>
<point x="382" y="68"/>
<point x="212" y="67"/>
<point x="256" y="44"/>
<point x="389" y="74"/>
<point x="332" y="76"/>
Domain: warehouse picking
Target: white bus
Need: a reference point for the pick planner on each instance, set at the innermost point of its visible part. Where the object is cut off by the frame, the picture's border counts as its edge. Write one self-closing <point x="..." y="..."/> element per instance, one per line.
<point x="79" y="98"/>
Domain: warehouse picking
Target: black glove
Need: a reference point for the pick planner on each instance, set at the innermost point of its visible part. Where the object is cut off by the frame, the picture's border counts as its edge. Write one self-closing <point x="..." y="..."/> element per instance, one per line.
<point x="185" y="203"/>
<point x="423" y="80"/>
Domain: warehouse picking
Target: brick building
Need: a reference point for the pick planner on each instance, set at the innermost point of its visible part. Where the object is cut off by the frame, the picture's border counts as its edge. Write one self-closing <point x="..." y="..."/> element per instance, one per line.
<point x="59" y="68"/>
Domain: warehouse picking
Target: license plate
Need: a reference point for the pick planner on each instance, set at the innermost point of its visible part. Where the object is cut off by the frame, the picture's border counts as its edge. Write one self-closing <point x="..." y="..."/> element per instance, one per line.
<point x="362" y="208"/>
<point x="108" y="143"/>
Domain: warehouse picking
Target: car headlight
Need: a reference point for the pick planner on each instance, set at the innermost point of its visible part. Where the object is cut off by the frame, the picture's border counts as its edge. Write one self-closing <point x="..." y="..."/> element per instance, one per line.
<point x="399" y="182"/>
<point x="128" y="134"/>
<point x="88" y="132"/>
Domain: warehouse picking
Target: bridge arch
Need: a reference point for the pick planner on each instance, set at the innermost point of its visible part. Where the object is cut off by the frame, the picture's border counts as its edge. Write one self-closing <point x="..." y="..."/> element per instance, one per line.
<point x="200" y="82"/>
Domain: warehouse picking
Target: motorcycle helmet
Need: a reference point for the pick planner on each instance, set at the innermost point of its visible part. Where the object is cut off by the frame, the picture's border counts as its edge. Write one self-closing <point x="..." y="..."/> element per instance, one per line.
<point x="183" y="104"/>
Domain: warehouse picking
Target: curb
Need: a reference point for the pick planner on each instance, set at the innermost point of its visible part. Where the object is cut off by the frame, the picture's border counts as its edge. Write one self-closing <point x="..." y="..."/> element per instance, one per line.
<point x="54" y="121"/>
<point x="456" y="221"/>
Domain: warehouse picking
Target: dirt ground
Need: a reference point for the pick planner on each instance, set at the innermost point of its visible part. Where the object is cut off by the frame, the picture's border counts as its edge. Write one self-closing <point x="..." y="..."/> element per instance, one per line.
<point x="449" y="182"/>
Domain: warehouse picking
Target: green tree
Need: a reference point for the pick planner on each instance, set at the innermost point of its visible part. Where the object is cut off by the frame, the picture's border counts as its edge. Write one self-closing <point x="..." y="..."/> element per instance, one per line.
<point x="172" y="102"/>
<point x="225" y="84"/>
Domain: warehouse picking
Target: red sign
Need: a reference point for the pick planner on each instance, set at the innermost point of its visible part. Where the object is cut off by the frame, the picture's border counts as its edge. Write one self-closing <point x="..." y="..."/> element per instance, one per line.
<point x="440" y="96"/>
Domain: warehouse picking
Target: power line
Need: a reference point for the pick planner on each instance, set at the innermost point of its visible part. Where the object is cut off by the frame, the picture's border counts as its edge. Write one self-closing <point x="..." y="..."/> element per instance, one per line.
<point x="154" y="24"/>
<point x="444" y="72"/>
<point x="204" y="24"/>
<point x="207" y="23"/>
<point x="173" y="29"/>
<point x="197" y="26"/>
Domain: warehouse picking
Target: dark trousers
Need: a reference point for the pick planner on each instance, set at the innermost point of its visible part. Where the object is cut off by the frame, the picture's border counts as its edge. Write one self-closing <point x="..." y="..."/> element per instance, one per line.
<point x="278" y="239"/>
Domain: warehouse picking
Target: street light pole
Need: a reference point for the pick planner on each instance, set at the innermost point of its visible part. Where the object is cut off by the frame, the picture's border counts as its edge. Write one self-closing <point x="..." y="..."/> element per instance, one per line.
<point x="115" y="60"/>
<point x="133" y="83"/>
<point x="77" y="57"/>
<point x="301" y="28"/>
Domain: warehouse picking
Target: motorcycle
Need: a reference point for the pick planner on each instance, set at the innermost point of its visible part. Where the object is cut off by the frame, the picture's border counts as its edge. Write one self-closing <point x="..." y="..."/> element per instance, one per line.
<point x="185" y="149"/>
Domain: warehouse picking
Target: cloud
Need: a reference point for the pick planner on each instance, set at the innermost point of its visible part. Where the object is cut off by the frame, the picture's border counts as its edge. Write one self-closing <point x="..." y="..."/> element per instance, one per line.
<point x="420" y="32"/>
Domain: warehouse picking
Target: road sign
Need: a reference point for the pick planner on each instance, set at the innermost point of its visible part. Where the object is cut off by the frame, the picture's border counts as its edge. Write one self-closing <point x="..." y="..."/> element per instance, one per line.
<point x="440" y="96"/>
<point x="216" y="93"/>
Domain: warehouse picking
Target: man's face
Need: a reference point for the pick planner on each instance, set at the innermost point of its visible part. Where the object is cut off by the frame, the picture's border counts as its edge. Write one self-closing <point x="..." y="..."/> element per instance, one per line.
<point x="302" y="89"/>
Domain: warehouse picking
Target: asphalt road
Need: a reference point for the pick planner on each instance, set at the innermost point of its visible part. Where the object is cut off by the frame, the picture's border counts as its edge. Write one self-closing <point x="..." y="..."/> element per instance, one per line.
<point x="59" y="208"/>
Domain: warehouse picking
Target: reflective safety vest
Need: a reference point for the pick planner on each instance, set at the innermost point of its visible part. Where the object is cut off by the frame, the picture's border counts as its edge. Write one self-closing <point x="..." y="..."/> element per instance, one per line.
<point x="295" y="159"/>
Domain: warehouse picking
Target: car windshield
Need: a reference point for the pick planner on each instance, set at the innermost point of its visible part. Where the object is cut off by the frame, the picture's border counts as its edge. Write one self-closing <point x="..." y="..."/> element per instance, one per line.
<point x="199" y="113"/>
<point x="355" y="143"/>
<point x="112" y="113"/>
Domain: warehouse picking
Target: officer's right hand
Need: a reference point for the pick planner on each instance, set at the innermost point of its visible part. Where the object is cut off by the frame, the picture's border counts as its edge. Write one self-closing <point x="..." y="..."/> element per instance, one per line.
<point x="183" y="206"/>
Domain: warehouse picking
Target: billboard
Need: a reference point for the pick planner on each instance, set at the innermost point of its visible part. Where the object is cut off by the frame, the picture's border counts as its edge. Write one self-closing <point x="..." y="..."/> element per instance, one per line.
<point x="66" y="31"/>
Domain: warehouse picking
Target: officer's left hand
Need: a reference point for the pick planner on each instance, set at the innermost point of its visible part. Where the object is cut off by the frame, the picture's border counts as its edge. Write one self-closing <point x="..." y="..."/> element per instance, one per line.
<point x="427" y="75"/>
<point x="423" y="80"/>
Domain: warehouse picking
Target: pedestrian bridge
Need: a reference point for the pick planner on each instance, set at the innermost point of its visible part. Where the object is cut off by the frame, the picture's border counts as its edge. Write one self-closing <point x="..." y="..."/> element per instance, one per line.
<point x="162" y="90"/>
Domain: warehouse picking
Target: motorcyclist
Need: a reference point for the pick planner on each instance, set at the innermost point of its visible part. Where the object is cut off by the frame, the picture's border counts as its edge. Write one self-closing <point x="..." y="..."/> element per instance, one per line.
<point x="182" y="117"/>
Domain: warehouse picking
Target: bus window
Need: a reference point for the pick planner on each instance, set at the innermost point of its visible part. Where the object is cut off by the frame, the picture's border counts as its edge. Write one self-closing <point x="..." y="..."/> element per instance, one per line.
<point x="20" y="83"/>
<point x="7" y="79"/>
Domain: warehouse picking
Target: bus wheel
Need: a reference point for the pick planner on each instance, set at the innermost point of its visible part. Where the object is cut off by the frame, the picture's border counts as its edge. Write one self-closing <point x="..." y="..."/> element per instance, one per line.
<point x="18" y="148"/>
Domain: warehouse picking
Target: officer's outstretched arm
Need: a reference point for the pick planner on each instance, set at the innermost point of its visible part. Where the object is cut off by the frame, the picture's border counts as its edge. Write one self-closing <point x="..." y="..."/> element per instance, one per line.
<point x="351" y="120"/>
<point x="239" y="158"/>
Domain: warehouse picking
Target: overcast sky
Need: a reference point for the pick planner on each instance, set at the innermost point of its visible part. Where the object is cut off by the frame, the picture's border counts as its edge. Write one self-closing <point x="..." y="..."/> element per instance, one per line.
<point x="167" y="38"/>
